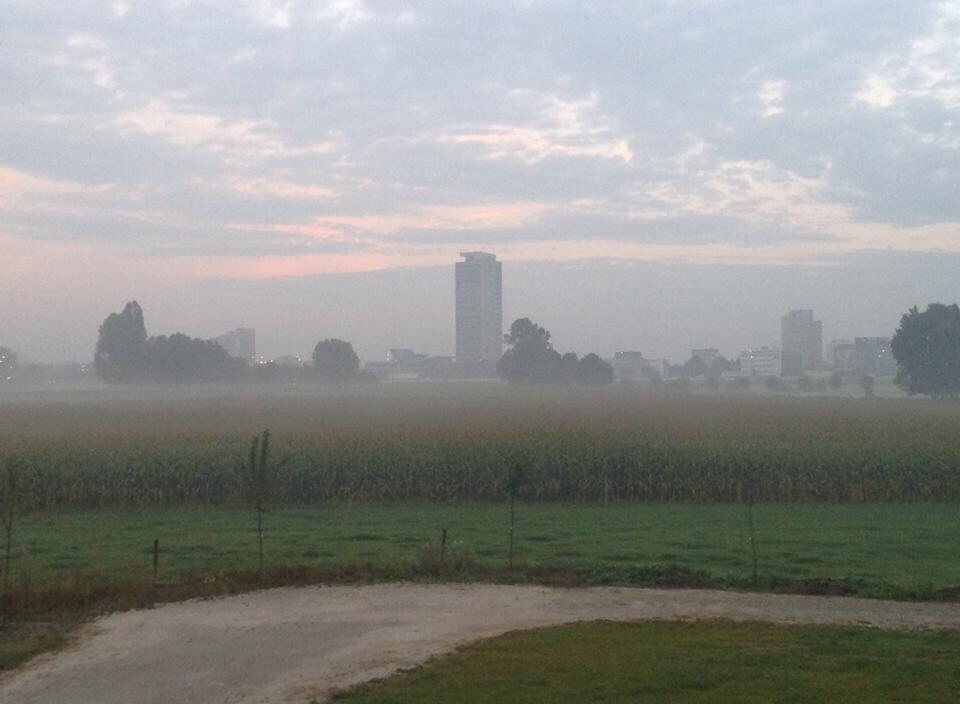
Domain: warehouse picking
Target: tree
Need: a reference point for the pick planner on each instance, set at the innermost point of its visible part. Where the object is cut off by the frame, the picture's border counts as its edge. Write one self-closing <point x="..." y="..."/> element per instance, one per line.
<point x="695" y="366"/>
<point x="593" y="371"/>
<point x="531" y="358"/>
<point x="721" y="364"/>
<point x="927" y="349"/>
<point x="738" y="383"/>
<point x="525" y="330"/>
<point x="652" y="375"/>
<point x="120" y="355"/>
<point x="335" y="362"/>
<point x="569" y="368"/>
<point x="867" y="383"/>
<point x="8" y="363"/>
<point x="179" y="359"/>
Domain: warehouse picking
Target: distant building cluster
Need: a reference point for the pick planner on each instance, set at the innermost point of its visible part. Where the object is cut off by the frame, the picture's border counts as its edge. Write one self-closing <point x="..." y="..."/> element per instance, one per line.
<point x="864" y="355"/>
<point x="802" y="350"/>
<point x="479" y="344"/>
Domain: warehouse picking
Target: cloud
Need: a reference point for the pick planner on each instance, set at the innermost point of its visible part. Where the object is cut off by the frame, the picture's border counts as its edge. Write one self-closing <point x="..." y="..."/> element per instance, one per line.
<point x="234" y="140"/>
<point x="90" y="54"/>
<point x="16" y="186"/>
<point x="272" y="128"/>
<point x="268" y="187"/>
<point x="771" y="98"/>
<point x="927" y="69"/>
<point x="372" y="228"/>
<point x="561" y="127"/>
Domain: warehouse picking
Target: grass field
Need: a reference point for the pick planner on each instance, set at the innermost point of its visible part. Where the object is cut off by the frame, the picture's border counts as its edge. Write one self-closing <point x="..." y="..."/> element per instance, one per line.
<point x="713" y="662"/>
<point x="881" y="549"/>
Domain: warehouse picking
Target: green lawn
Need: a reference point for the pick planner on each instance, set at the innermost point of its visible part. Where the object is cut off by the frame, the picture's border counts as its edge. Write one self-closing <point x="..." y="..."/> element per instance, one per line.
<point x="877" y="546"/>
<point x="684" y="662"/>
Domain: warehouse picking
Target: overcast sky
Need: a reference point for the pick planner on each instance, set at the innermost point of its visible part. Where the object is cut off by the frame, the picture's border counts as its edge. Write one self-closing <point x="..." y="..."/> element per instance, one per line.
<point x="658" y="175"/>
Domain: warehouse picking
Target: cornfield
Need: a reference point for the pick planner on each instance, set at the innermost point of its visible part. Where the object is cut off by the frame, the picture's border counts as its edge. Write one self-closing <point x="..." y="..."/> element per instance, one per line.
<point x="457" y="444"/>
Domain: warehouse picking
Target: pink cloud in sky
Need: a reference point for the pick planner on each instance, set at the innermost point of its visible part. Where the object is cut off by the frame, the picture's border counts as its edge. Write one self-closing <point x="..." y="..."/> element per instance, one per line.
<point x="281" y="189"/>
<point x="16" y="185"/>
<point x="438" y="217"/>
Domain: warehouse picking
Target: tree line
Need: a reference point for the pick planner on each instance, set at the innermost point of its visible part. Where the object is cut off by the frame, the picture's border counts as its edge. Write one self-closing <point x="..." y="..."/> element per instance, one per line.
<point x="926" y="347"/>
<point x="126" y="354"/>
<point x="531" y="359"/>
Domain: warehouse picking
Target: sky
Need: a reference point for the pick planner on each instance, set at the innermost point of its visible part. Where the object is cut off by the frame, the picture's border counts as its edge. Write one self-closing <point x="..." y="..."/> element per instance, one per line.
<point x="656" y="175"/>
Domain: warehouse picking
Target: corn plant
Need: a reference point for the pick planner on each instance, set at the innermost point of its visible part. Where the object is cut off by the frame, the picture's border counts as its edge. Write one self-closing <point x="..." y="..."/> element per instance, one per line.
<point x="412" y="446"/>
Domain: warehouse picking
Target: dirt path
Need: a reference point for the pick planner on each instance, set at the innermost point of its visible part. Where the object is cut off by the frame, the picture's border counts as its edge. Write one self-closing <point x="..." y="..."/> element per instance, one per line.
<point x="293" y="645"/>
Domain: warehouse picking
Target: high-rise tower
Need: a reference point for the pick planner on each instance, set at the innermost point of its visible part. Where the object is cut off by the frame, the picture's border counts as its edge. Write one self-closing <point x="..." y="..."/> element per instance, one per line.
<point x="801" y="341"/>
<point x="479" y="308"/>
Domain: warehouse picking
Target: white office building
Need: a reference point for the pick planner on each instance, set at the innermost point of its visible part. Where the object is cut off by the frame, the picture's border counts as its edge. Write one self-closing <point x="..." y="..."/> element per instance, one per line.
<point x="762" y="362"/>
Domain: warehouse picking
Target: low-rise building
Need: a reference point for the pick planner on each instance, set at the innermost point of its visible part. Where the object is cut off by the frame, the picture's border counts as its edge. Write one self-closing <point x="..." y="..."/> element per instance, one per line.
<point x="865" y="355"/>
<point x="406" y="365"/>
<point x="761" y="362"/>
<point x="240" y="343"/>
<point x="288" y="361"/>
<point x="632" y="366"/>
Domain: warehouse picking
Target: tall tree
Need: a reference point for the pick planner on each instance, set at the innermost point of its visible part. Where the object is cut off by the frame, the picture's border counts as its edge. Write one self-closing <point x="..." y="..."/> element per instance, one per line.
<point x="525" y="330"/>
<point x="569" y="368"/>
<point x="695" y="366"/>
<point x="927" y="349"/>
<point x="335" y="362"/>
<point x="593" y="371"/>
<point x="120" y="355"/>
<point x="531" y="358"/>
<point x="179" y="359"/>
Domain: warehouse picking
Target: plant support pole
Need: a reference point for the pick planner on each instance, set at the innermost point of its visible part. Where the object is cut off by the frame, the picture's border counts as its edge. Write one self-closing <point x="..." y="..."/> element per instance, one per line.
<point x="512" y="520"/>
<point x="753" y="541"/>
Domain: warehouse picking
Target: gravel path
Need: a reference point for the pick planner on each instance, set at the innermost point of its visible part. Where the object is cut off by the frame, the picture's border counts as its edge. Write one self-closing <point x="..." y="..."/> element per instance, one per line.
<point x="293" y="645"/>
